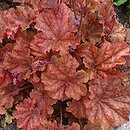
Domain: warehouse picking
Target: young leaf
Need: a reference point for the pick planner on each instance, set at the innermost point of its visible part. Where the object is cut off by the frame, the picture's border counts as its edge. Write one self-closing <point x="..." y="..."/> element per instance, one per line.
<point x="91" y="28"/>
<point x="119" y="2"/>
<point x="5" y="78"/>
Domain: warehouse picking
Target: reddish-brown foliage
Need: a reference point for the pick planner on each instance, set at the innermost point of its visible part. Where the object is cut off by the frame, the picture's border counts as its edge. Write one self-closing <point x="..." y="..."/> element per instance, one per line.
<point x="62" y="81"/>
<point x="32" y="112"/>
<point x="100" y="61"/>
<point x="64" y="65"/>
<point x="57" y="30"/>
<point x="78" y="112"/>
<point x="109" y="102"/>
<point x="11" y="20"/>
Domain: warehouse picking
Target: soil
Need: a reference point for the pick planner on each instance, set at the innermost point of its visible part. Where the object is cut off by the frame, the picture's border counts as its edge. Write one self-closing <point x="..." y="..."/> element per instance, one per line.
<point x="122" y="17"/>
<point x="4" y="126"/>
<point x="12" y="126"/>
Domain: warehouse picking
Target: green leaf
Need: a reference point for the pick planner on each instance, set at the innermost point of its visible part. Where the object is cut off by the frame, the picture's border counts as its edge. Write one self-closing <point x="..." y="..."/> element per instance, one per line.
<point x="128" y="6"/>
<point x="128" y="12"/>
<point x="119" y="2"/>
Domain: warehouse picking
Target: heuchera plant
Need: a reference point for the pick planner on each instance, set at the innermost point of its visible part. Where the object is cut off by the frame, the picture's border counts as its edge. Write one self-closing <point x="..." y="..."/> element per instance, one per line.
<point x="64" y="65"/>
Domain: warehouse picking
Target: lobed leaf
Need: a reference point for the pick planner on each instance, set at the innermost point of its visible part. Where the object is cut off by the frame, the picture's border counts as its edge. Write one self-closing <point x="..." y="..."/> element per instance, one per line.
<point x="91" y="28"/>
<point x="7" y="94"/>
<point x="100" y="61"/>
<point x="74" y="126"/>
<point x="32" y="114"/>
<point x="18" y="60"/>
<point x="78" y="112"/>
<point x="109" y="102"/>
<point x="62" y="81"/>
<point x="12" y="20"/>
<point x="57" y="30"/>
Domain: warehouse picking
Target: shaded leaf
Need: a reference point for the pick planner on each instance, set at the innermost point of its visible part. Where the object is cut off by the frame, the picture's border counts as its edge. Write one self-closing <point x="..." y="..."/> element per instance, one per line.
<point x="91" y="126"/>
<point x="6" y="97"/>
<point x="32" y="114"/>
<point x="74" y="126"/>
<point x="78" y="112"/>
<point x="91" y="28"/>
<point x="128" y="35"/>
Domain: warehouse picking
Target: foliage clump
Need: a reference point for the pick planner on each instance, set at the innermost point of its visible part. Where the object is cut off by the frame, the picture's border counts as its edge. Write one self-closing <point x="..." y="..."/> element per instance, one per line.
<point x="64" y="65"/>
